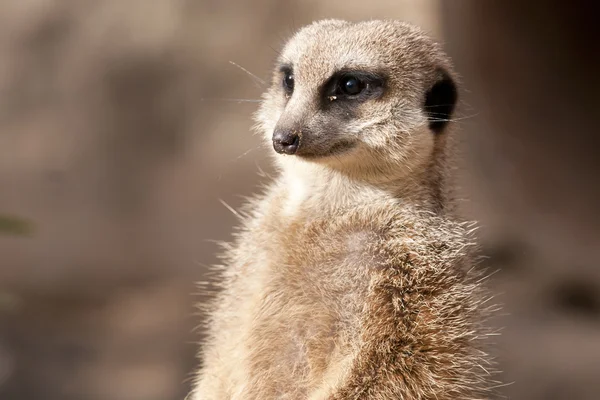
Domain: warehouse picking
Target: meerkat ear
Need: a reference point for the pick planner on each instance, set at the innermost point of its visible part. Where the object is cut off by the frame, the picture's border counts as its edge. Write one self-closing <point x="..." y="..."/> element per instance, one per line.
<point x="440" y="101"/>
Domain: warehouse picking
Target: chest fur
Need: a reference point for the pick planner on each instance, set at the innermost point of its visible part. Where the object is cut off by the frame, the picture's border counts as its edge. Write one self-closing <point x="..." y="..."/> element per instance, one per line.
<point x="309" y="313"/>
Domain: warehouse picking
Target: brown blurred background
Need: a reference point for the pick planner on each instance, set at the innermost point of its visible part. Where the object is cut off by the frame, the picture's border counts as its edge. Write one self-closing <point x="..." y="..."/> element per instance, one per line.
<point x="116" y="146"/>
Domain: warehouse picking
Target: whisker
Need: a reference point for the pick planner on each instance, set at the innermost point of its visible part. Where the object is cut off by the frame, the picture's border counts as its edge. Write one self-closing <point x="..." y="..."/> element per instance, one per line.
<point x="245" y="153"/>
<point x="256" y="78"/>
<point x="233" y="100"/>
<point x="450" y="119"/>
<point x="438" y="105"/>
<point x="277" y="52"/>
<point x="233" y="211"/>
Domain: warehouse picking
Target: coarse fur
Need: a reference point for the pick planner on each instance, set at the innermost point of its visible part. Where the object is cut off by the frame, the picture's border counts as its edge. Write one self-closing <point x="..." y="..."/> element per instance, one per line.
<point x="351" y="277"/>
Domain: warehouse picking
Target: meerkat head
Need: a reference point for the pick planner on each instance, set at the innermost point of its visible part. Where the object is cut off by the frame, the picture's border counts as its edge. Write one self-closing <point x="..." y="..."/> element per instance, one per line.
<point x="369" y="97"/>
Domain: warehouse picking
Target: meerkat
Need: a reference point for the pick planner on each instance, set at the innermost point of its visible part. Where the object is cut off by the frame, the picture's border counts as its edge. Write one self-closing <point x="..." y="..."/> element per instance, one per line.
<point x="351" y="277"/>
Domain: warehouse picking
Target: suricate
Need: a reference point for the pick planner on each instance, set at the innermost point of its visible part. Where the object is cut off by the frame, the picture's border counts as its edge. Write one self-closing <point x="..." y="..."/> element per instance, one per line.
<point x="351" y="278"/>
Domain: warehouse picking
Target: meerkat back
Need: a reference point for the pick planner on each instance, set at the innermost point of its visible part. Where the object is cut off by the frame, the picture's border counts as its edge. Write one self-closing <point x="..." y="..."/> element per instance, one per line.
<point x="350" y="277"/>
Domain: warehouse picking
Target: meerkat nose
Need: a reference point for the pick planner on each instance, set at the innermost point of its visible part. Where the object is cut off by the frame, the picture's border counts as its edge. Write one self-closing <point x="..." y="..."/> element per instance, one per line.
<point x="285" y="142"/>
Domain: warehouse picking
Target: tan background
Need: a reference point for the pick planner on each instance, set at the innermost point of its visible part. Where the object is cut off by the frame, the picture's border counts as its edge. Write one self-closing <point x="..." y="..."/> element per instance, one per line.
<point x="116" y="143"/>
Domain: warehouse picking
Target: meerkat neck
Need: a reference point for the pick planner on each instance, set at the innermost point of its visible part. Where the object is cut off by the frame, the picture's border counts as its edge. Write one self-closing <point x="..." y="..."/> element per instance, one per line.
<point x="321" y="189"/>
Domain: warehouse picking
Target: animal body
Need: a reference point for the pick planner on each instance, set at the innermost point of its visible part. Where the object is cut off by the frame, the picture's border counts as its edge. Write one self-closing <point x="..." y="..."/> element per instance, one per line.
<point x="351" y="277"/>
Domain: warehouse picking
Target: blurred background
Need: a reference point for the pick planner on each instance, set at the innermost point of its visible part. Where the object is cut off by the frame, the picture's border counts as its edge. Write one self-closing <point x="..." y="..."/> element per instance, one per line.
<point x="116" y="144"/>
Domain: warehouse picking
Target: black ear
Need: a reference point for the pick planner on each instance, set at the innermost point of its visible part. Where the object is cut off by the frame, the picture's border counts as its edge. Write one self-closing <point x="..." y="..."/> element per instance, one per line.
<point x="440" y="101"/>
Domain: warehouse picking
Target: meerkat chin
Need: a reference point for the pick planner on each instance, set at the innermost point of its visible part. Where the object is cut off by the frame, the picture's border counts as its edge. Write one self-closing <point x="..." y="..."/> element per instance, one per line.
<point x="352" y="277"/>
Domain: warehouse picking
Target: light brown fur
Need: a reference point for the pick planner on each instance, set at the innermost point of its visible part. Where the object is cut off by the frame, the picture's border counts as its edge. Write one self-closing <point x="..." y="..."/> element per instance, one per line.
<point x="351" y="278"/>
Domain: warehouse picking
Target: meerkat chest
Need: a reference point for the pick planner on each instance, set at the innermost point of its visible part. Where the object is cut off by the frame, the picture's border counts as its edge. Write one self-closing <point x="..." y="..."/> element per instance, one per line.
<point x="308" y="318"/>
<point x="322" y="258"/>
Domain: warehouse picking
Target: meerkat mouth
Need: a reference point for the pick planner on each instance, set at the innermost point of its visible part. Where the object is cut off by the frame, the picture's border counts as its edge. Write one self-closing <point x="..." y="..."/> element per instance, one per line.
<point x="323" y="151"/>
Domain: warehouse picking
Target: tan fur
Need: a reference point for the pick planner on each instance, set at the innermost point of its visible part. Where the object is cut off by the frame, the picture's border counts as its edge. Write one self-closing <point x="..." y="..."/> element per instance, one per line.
<point x="350" y="277"/>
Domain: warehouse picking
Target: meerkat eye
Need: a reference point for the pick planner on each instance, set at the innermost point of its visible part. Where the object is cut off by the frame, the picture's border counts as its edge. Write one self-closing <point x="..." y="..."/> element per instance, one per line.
<point x="351" y="85"/>
<point x="288" y="82"/>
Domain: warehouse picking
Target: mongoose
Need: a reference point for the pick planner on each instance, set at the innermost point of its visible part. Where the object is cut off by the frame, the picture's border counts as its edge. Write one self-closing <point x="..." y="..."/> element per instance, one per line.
<point x="351" y="277"/>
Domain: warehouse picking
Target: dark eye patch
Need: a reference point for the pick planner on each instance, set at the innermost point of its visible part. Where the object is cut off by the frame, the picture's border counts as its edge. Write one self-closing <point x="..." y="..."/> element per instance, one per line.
<point x="355" y="86"/>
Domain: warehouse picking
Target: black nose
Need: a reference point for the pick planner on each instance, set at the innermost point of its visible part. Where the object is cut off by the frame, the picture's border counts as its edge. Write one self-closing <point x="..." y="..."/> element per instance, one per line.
<point x="285" y="142"/>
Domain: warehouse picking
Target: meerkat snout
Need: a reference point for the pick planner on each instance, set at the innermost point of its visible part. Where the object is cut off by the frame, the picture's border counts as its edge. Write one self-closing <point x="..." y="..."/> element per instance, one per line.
<point x="319" y="118"/>
<point x="286" y="141"/>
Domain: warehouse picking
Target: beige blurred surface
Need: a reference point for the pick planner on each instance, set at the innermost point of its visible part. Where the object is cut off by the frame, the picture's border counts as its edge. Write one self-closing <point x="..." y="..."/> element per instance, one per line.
<point x="117" y="142"/>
